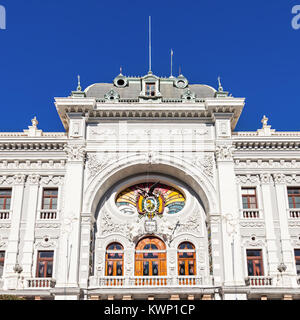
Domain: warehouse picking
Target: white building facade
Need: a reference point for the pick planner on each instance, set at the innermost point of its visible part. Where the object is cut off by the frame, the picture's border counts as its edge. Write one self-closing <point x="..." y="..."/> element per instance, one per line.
<point x="150" y="193"/>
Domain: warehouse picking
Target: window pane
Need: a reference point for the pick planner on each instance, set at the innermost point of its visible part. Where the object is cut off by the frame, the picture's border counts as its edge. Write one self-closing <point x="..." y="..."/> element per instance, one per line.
<point x="182" y="268"/>
<point x="291" y="203"/>
<point x="245" y="203"/>
<point x="253" y="253"/>
<point x="146" y="268"/>
<point x="297" y="252"/>
<point x="46" y="254"/>
<point x="154" y="268"/>
<point x="298" y="267"/>
<point x="49" y="269"/>
<point x="110" y="269"/>
<point x="5" y="193"/>
<point x="191" y="268"/>
<point x="54" y="203"/>
<point x="250" y="268"/>
<point x="41" y="268"/>
<point x="119" y="268"/>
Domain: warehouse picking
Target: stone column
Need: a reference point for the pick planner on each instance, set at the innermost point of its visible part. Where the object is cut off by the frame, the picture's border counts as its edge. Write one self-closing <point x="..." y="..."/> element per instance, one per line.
<point x="28" y="249"/>
<point x="69" y="243"/>
<point x="267" y="200"/>
<point x="233" y="272"/>
<point x="12" y="250"/>
<point x="288" y="277"/>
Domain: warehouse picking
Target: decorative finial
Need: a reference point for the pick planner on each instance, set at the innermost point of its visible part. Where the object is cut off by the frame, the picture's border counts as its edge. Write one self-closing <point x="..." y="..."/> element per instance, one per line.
<point x="78" y="86"/>
<point x="220" y="85"/>
<point x="180" y="70"/>
<point x="264" y="121"/>
<point x="121" y="71"/>
<point x="34" y="122"/>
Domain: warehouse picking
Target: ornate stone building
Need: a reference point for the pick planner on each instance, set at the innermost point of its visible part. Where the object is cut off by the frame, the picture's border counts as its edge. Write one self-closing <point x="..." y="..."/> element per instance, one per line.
<point x="150" y="193"/>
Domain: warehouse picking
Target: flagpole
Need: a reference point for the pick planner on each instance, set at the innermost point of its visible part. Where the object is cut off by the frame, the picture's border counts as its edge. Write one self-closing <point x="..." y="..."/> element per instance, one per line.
<point x="150" y="67"/>
<point x="171" y="63"/>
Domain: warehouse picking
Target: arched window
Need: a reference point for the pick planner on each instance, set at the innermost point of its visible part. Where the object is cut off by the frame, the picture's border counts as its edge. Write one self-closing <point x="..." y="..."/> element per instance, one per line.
<point x="186" y="259"/>
<point x="150" y="257"/>
<point x="114" y="260"/>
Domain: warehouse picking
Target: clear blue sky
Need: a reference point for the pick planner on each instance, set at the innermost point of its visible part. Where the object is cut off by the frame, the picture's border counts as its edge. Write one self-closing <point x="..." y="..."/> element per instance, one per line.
<point x="250" y="44"/>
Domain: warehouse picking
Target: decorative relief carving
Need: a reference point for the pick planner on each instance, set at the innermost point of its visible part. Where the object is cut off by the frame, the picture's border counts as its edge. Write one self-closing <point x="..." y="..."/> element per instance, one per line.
<point x="34" y="178"/>
<point x="151" y="157"/>
<point x="42" y="225"/>
<point x="224" y="152"/>
<point x="279" y="178"/>
<point x="206" y="164"/>
<point x="271" y="164"/>
<point x="247" y="179"/>
<point x="96" y="165"/>
<point x="19" y="178"/>
<point x="46" y="242"/>
<point x="266" y="178"/>
<point x="191" y="225"/>
<point x="75" y="152"/>
<point x="256" y="224"/>
<point x="165" y="227"/>
<point x="56" y="180"/>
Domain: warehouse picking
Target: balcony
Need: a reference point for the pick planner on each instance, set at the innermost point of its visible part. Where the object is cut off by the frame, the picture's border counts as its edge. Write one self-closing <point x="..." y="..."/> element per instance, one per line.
<point x="159" y="281"/>
<point x="251" y="214"/>
<point x="47" y="214"/>
<point x="259" y="281"/>
<point x="5" y="214"/>
<point x="40" y="283"/>
<point x="294" y="213"/>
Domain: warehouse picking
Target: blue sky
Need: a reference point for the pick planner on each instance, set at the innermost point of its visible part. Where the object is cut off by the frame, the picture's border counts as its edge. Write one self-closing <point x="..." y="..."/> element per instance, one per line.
<point x="250" y="44"/>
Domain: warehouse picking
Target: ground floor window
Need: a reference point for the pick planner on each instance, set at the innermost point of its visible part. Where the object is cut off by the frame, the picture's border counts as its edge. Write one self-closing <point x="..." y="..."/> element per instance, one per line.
<point x="150" y="257"/>
<point x="45" y="264"/>
<point x="186" y="259"/>
<point x="114" y="260"/>
<point x="255" y="262"/>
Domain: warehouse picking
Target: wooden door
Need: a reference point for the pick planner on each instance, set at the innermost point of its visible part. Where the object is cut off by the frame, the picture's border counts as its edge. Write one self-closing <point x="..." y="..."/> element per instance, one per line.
<point x="150" y="258"/>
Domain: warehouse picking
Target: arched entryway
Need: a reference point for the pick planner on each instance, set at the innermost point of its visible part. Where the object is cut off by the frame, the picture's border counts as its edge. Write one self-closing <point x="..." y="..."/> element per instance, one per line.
<point x="150" y="257"/>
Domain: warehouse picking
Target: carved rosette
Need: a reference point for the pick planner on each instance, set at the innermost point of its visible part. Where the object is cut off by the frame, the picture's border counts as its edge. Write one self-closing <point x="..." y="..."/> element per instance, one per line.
<point x="279" y="178"/>
<point x="19" y="179"/>
<point x="224" y="152"/>
<point x="266" y="178"/>
<point x="75" y="152"/>
<point x="33" y="179"/>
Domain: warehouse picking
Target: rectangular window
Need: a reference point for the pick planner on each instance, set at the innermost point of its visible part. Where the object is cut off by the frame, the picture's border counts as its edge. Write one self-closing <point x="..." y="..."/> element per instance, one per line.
<point x="5" y="199"/>
<point x="294" y="198"/>
<point x="297" y="261"/>
<point x="249" y="198"/>
<point x="255" y="263"/>
<point x="45" y="264"/>
<point x="150" y="89"/>
<point x="2" y="257"/>
<point x="50" y="199"/>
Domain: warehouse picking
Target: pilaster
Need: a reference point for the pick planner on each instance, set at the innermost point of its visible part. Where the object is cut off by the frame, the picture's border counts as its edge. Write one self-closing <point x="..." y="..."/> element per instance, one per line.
<point x="69" y="243"/>
<point x="286" y="245"/>
<point x="12" y="251"/>
<point x="28" y="249"/>
<point x="266" y="186"/>
<point x="233" y="272"/>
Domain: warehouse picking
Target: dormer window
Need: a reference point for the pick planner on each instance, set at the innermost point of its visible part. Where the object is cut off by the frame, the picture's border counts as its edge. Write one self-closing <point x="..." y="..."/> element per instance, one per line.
<point x="150" y="89"/>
